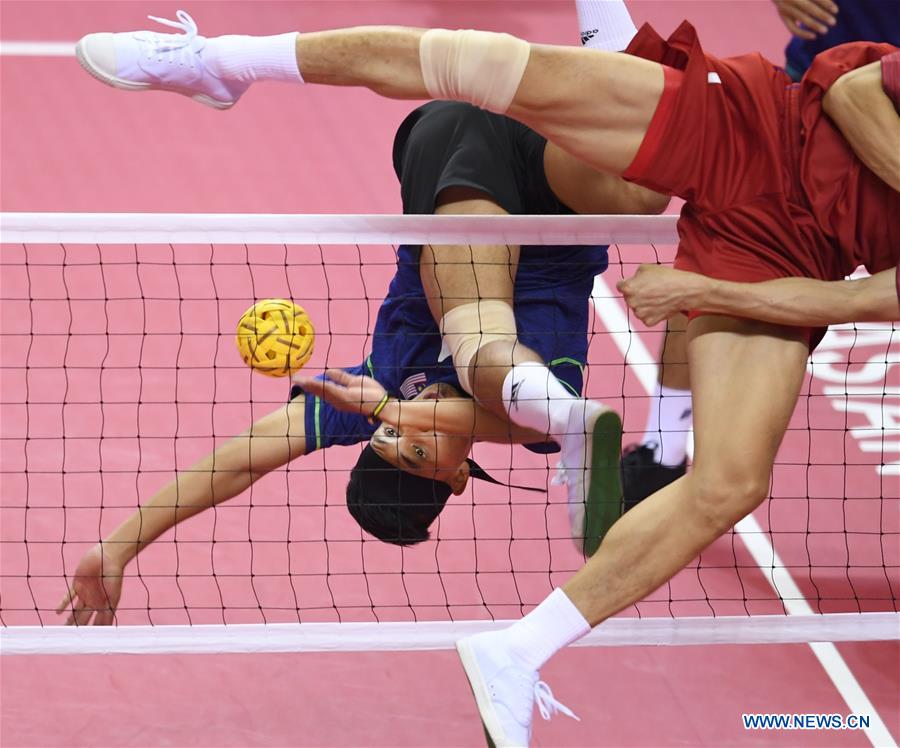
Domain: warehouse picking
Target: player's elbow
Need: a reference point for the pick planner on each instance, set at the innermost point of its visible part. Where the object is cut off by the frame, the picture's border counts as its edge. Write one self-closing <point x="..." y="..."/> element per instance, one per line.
<point x="872" y="299"/>
<point x="654" y="203"/>
<point x="241" y="462"/>
<point x="838" y="97"/>
<point x="641" y="201"/>
<point x="853" y="88"/>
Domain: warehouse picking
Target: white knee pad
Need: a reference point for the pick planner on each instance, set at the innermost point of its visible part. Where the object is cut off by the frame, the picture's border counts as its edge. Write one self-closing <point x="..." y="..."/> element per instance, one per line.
<point x="481" y="67"/>
<point x="469" y="327"/>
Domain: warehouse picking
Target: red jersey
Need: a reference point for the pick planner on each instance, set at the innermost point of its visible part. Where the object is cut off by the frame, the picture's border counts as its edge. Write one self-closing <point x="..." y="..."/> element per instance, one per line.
<point x="850" y="203"/>
<point x="772" y="189"/>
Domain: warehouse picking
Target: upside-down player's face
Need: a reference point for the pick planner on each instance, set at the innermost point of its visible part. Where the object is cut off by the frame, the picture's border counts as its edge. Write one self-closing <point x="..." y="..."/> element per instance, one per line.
<point x="429" y="454"/>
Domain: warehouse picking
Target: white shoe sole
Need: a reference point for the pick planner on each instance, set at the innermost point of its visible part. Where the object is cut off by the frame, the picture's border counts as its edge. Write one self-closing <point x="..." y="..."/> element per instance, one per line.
<point x="493" y="729"/>
<point x="110" y="80"/>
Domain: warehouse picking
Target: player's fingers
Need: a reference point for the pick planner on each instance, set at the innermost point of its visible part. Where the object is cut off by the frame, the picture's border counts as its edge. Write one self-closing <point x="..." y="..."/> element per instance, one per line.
<point x="310" y="385"/>
<point x="821" y="10"/>
<point x="812" y="16"/>
<point x="83" y="616"/>
<point x="67" y="598"/>
<point x="104" y="618"/>
<point x="77" y="607"/>
<point x="340" y="376"/>
<point x="797" y="30"/>
<point x="829" y="5"/>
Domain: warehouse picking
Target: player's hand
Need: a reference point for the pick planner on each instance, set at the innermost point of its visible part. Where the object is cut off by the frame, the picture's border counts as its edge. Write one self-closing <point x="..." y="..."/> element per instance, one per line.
<point x="351" y="393"/>
<point x="655" y="293"/>
<point x="807" y="18"/>
<point x="95" y="590"/>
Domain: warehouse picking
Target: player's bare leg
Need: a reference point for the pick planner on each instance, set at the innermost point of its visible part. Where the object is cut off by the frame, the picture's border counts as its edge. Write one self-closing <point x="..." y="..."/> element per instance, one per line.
<point x="660" y="456"/>
<point x="736" y="443"/>
<point x="604" y="129"/>
<point x="737" y="439"/>
<point x="540" y="85"/>
<point x="470" y="293"/>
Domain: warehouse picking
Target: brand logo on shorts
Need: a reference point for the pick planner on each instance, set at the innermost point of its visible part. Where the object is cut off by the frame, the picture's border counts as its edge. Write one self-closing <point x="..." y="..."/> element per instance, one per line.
<point x="588" y="34"/>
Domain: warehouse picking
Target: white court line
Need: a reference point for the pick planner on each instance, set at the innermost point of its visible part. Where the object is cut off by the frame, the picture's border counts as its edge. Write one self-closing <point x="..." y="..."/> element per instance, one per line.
<point x="37" y="49"/>
<point x="636" y="355"/>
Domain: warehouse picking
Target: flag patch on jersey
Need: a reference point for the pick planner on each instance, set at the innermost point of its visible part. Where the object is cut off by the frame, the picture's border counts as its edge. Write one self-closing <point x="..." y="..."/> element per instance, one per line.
<point x="412" y="386"/>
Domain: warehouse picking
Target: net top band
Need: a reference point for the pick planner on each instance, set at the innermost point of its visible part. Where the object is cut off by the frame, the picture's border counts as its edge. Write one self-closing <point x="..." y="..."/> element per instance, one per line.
<point x="243" y="228"/>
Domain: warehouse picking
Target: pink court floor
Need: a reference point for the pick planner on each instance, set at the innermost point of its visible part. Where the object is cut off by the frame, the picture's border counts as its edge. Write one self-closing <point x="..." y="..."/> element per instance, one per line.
<point x="130" y="374"/>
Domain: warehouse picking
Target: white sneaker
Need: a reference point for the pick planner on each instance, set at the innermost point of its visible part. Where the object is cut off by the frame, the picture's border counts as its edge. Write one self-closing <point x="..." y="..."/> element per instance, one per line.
<point x="505" y="692"/>
<point x="589" y="463"/>
<point x="146" y="60"/>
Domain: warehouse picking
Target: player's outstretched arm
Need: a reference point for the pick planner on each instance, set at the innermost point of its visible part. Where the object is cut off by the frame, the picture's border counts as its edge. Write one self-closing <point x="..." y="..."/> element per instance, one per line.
<point x="270" y="442"/>
<point x="656" y="293"/>
<point x="459" y="416"/>
<point x="865" y="115"/>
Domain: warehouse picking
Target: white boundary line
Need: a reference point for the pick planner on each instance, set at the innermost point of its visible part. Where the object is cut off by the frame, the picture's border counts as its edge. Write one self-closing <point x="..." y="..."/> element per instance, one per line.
<point x="37" y="49"/>
<point x="637" y="356"/>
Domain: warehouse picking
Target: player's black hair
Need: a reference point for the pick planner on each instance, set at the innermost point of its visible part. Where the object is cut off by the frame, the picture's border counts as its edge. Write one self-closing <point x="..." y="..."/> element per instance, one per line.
<point x="395" y="506"/>
<point x="391" y="504"/>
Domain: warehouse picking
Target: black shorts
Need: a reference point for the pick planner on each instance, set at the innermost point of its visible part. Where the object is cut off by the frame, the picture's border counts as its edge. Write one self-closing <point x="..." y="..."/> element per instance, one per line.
<point x="450" y="144"/>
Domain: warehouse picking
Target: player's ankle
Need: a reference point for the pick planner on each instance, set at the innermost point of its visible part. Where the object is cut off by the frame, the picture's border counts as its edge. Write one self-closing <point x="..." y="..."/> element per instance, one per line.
<point x="554" y="624"/>
<point x="253" y="58"/>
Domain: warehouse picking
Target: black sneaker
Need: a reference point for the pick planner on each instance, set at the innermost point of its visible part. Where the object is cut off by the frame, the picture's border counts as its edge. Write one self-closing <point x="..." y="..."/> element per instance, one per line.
<point x="642" y="475"/>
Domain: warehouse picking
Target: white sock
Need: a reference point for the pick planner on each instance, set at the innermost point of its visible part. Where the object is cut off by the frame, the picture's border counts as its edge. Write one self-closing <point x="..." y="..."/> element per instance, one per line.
<point x="605" y="24"/>
<point x="536" y="399"/>
<point x="552" y="625"/>
<point x="253" y="58"/>
<point x="668" y="424"/>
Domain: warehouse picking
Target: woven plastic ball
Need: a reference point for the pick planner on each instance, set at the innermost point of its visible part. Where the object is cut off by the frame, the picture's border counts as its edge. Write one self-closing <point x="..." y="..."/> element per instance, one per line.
<point x="275" y="337"/>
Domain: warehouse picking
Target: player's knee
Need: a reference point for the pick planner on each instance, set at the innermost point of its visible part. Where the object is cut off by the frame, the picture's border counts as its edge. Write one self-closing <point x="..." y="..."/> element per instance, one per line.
<point x="723" y="498"/>
<point x="480" y="67"/>
<point x="467" y="329"/>
<point x="489" y="368"/>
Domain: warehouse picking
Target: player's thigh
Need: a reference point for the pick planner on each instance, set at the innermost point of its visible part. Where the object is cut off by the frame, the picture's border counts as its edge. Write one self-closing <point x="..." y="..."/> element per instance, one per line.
<point x="453" y="275"/>
<point x="596" y="105"/>
<point x="745" y="379"/>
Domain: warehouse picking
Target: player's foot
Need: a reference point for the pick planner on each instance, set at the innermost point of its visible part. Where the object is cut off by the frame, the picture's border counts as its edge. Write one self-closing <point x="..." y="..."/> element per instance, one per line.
<point x="505" y="691"/>
<point x="146" y="60"/>
<point x="590" y="454"/>
<point x="642" y="475"/>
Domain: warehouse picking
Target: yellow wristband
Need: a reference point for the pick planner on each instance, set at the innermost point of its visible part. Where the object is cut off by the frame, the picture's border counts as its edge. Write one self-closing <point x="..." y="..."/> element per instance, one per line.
<point x="379" y="408"/>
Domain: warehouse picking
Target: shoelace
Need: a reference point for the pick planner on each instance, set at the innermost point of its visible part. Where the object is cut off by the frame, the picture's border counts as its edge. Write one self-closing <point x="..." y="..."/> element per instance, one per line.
<point x="177" y="45"/>
<point x="564" y="475"/>
<point x="547" y="705"/>
<point x="561" y="476"/>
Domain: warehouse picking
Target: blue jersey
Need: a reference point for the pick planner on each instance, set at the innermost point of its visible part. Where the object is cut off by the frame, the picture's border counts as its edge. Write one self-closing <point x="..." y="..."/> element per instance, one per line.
<point x="857" y="21"/>
<point x="552" y="289"/>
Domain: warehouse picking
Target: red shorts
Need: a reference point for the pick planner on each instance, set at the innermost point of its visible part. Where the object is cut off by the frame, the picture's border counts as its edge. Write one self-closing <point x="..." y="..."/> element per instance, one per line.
<point x="728" y="137"/>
